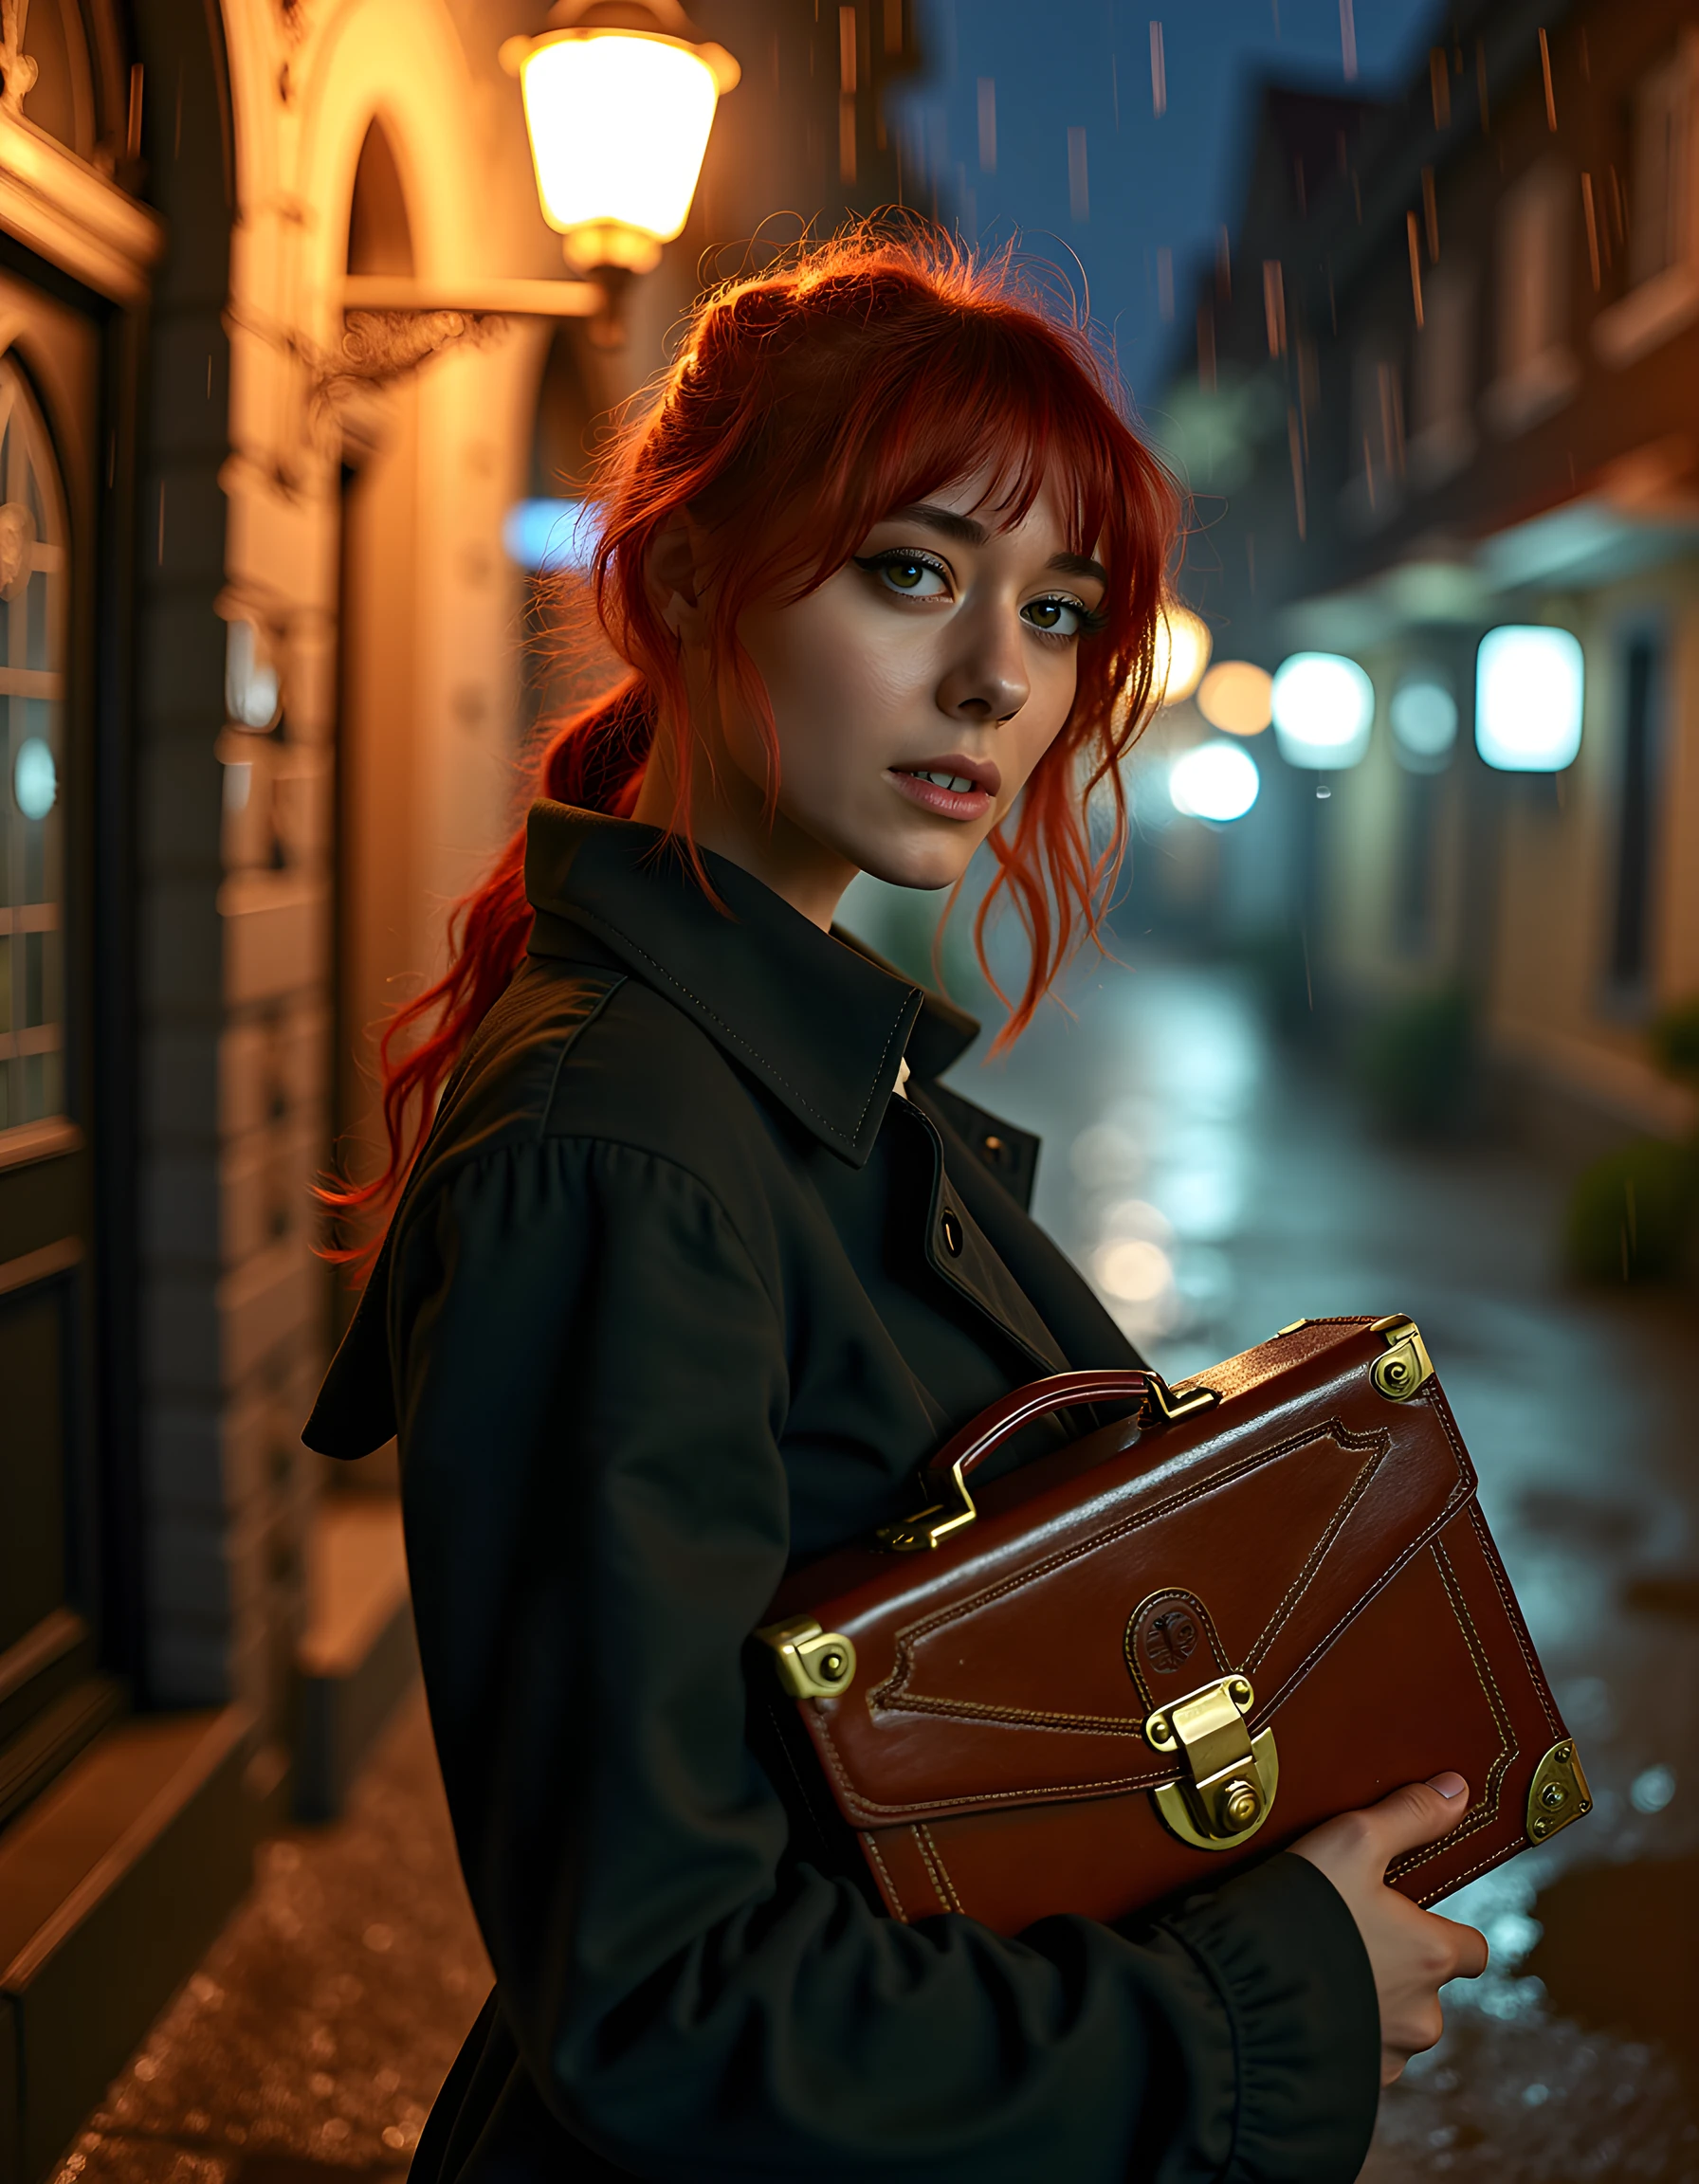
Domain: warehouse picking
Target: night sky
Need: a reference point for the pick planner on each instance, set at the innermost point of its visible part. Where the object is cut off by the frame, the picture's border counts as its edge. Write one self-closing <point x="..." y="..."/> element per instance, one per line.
<point x="1084" y="165"/>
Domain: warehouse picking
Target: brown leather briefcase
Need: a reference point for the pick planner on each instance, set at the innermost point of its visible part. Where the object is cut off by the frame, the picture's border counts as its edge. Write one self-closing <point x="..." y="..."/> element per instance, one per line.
<point x="1175" y="1644"/>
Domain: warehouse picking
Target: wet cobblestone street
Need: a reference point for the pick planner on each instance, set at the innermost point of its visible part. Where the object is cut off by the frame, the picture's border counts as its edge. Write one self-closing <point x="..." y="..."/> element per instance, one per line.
<point x="313" y="2039"/>
<point x="1217" y="1190"/>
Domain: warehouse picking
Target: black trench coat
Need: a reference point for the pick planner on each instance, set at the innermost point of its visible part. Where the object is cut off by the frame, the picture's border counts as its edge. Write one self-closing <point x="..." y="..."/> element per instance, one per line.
<point x="669" y="1302"/>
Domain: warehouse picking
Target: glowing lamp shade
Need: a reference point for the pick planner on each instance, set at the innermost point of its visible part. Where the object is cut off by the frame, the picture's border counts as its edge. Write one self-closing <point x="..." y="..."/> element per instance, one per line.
<point x="1424" y="721"/>
<point x="1234" y="696"/>
<point x="1324" y="709"/>
<point x="1182" y="653"/>
<point x="1216" y="781"/>
<point x="1529" y="683"/>
<point x="618" y="121"/>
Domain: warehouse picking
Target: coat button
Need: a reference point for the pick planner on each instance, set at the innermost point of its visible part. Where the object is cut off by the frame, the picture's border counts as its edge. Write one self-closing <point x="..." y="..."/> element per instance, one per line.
<point x="952" y="1229"/>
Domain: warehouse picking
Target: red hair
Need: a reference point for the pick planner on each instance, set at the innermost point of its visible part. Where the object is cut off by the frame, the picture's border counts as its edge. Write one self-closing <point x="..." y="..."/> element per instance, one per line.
<point x="805" y="405"/>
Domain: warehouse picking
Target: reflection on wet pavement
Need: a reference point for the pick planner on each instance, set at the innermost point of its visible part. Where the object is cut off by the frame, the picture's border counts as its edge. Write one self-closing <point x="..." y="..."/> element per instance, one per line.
<point x="309" y="2046"/>
<point x="1214" y="1188"/>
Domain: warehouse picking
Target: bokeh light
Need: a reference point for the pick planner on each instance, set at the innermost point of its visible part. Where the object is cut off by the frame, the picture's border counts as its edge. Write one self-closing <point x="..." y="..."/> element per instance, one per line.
<point x="1133" y="1269"/>
<point x="549" y="534"/>
<point x="1215" y="781"/>
<point x="1423" y="714"/>
<point x="1183" y="652"/>
<point x="1323" y="710"/>
<point x="1236" y="695"/>
<point x="1529" y="685"/>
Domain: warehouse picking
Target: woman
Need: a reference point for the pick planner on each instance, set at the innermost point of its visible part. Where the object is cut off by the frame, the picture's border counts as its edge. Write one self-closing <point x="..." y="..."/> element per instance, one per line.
<point x="667" y="1303"/>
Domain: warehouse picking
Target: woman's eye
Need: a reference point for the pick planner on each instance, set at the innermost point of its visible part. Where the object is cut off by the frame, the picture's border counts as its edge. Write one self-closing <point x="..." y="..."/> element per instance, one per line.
<point x="1062" y="617"/>
<point x="908" y="573"/>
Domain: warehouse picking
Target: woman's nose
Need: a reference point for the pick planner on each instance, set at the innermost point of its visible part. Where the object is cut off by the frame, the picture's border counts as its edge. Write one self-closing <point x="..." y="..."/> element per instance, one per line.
<point x="987" y="679"/>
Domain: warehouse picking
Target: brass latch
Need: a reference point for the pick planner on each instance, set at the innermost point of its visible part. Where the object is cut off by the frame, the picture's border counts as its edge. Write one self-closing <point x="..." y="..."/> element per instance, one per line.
<point x="1406" y="1367"/>
<point x="1231" y="1775"/>
<point x="812" y="1663"/>
<point x="1558" y="1793"/>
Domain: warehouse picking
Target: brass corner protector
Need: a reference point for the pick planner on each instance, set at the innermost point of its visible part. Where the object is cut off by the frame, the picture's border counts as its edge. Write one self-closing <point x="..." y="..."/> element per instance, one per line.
<point x="1406" y="1368"/>
<point x="810" y="1662"/>
<point x="1558" y="1793"/>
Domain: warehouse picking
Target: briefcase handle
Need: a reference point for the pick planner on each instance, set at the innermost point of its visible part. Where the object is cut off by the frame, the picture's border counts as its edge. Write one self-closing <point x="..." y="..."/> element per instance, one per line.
<point x="944" y="1478"/>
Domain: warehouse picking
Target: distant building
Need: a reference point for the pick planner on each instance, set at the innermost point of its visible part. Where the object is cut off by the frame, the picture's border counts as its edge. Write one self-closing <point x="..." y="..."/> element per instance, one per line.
<point x="1449" y="380"/>
<point x="262" y="676"/>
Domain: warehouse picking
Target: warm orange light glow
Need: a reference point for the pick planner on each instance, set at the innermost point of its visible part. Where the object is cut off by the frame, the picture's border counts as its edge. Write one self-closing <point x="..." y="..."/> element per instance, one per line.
<point x="1237" y="697"/>
<point x="1182" y="653"/>
<point x="620" y="121"/>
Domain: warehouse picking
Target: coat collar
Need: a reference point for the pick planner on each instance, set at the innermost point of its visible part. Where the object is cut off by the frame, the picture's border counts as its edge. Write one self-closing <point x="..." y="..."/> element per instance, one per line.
<point x="820" y="1021"/>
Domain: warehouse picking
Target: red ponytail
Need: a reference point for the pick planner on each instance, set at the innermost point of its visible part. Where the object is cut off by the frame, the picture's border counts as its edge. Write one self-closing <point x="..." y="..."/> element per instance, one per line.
<point x="805" y="405"/>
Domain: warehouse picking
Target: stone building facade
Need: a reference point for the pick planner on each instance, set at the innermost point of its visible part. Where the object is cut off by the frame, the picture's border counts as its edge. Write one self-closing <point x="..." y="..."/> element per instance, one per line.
<point x="1443" y="382"/>
<point x="283" y="338"/>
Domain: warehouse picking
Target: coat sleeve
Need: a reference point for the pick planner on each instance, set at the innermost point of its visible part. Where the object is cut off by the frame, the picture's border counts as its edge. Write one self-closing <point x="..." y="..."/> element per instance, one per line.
<point x="591" y="1373"/>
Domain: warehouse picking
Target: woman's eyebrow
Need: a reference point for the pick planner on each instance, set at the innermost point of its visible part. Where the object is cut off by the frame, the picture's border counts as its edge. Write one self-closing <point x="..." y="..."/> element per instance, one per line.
<point x="967" y="532"/>
<point x="961" y="528"/>
<point x="1079" y="565"/>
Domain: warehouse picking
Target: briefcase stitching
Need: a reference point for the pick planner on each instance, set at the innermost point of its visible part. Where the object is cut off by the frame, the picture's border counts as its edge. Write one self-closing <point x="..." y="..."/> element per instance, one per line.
<point x="860" y="1805"/>
<point x="1300" y="1584"/>
<point x="935" y="1867"/>
<point x="1501" y="1585"/>
<point x="870" y="1844"/>
<point x="1460" y="1498"/>
<point x="1486" y="1809"/>
<point x="891" y="1693"/>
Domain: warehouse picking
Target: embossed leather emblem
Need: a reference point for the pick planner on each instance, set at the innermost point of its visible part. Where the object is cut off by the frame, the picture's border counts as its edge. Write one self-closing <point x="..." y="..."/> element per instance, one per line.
<point x="1171" y="1645"/>
<point x="1169" y="1639"/>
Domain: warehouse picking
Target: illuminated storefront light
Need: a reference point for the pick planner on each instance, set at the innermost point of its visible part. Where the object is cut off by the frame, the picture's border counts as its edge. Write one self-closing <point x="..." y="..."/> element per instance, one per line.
<point x="618" y="116"/>
<point x="545" y="536"/>
<point x="1235" y="696"/>
<point x="1529" y="685"/>
<point x="1182" y="653"/>
<point x="1323" y="710"/>
<point x="1216" y="781"/>
<point x="1423" y="714"/>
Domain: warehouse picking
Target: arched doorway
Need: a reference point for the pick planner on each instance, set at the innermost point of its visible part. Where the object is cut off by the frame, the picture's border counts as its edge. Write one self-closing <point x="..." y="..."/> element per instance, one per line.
<point x="380" y="936"/>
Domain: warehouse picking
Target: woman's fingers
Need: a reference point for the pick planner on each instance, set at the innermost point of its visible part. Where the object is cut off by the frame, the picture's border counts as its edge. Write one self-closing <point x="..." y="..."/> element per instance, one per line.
<point x="1471" y="1950"/>
<point x="1419" y="1813"/>
<point x="1411" y="1952"/>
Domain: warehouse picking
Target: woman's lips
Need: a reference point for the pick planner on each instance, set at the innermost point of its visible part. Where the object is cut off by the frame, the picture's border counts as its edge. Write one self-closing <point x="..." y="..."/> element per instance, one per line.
<point x="954" y="788"/>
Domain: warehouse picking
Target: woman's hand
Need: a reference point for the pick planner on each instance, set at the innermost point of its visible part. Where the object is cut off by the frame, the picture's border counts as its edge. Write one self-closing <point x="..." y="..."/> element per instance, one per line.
<point x="1413" y="1952"/>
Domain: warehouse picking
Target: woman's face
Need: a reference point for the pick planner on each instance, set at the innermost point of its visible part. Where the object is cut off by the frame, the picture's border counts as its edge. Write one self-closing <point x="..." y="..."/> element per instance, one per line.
<point x="912" y="693"/>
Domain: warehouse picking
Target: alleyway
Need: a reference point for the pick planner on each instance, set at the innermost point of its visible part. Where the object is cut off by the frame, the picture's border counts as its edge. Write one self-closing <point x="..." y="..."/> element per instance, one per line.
<point x="1224" y="1189"/>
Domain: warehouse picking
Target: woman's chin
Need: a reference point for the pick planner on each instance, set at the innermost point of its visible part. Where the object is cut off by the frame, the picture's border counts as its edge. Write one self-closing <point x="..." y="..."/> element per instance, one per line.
<point x="926" y="870"/>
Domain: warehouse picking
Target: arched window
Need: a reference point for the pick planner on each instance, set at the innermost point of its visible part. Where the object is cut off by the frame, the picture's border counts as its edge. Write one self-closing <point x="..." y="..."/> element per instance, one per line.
<point x="32" y="749"/>
<point x="61" y="98"/>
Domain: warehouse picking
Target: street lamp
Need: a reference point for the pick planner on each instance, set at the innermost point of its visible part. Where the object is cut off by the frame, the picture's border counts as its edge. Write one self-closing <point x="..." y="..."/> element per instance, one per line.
<point x="619" y="100"/>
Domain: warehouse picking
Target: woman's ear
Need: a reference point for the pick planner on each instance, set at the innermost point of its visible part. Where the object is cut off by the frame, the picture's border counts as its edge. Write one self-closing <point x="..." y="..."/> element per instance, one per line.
<point x="673" y="576"/>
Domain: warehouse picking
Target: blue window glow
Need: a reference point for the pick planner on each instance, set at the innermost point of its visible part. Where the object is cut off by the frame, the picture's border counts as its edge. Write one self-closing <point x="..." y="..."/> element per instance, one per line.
<point x="550" y="534"/>
<point x="34" y="779"/>
<point x="1529" y="683"/>
<point x="1324" y="709"/>
<point x="1216" y="781"/>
